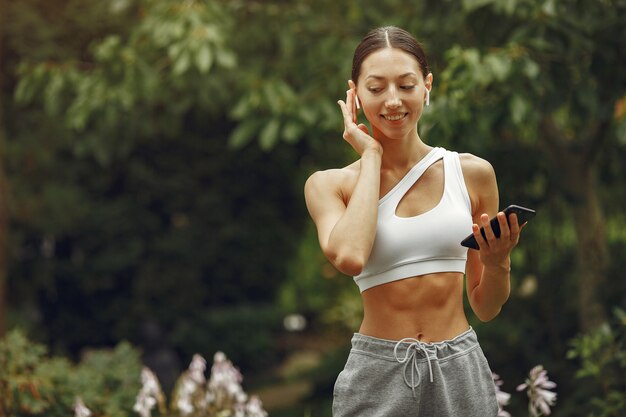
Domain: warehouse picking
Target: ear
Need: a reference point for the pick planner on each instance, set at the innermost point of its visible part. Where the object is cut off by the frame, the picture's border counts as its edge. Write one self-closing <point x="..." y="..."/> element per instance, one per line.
<point x="352" y="86"/>
<point x="428" y="81"/>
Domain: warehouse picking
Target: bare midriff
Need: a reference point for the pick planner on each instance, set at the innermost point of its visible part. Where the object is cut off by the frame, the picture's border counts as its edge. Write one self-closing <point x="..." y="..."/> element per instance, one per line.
<point x="428" y="308"/>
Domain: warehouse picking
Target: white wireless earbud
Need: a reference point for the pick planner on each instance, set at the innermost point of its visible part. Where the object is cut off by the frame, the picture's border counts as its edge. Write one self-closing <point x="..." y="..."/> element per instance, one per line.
<point x="358" y="105"/>
<point x="428" y="97"/>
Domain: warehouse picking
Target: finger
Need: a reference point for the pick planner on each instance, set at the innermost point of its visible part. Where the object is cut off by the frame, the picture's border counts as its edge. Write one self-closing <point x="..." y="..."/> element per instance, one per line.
<point x="355" y="110"/>
<point x="351" y="104"/>
<point x="364" y="128"/>
<point x="347" y="118"/>
<point x="505" y="232"/>
<point x="490" y="236"/>
<point x="482" y="243"/>
<point x="514" y="224"/>
<point x="351" y="94"/>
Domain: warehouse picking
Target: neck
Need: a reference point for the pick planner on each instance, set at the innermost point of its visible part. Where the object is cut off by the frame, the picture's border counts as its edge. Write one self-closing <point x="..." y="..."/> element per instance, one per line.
<point x="402" y="153"/>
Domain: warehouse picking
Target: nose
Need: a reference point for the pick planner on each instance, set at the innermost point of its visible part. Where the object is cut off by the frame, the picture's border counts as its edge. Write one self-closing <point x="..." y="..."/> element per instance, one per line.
<point x="393" y="101"/>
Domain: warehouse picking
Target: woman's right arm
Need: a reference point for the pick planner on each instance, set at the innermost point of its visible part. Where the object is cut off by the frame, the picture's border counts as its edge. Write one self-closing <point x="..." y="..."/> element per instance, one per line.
<point x="347" y="227"/>
<point x="346" y="232"/>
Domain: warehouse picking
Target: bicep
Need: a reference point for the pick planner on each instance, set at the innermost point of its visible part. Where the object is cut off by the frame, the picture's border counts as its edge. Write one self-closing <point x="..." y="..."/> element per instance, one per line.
<point x="482" y="186"/>
<point x="473" y="270"/>
<point x="325" y="205"/>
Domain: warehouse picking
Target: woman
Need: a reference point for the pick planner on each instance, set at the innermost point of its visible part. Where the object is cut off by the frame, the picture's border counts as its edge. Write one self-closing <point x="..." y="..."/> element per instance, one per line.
<point x="394" y="220"/>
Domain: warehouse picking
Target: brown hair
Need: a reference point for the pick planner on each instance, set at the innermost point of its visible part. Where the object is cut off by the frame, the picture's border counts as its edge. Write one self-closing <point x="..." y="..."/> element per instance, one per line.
<point x="388" y="37"/>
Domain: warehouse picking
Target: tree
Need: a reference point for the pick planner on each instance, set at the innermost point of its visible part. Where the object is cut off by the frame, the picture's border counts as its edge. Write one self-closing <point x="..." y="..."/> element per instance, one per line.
<point x="136" y="207"/>
<point x="4" y="207"/>
<point x="548" y="82"/>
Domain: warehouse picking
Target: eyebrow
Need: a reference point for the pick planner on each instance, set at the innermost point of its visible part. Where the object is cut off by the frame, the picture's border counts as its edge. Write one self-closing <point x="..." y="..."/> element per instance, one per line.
<point x="378" y="77"/>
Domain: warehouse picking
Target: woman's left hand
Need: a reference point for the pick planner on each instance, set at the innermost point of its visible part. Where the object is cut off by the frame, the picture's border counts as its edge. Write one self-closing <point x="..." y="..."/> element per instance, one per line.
<point x="495" y="251"/>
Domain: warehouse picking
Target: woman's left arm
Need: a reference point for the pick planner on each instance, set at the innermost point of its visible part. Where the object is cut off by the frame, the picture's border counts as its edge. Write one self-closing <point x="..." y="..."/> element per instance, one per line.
<point x="488" y="269"/>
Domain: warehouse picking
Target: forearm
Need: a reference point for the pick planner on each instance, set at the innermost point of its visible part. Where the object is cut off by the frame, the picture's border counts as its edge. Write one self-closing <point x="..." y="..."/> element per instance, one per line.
<point x="488" y="297"/>
<point x="351" y="240"/>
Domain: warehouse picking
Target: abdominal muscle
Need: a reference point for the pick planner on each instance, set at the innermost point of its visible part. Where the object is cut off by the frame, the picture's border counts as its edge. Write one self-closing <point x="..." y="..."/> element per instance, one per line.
<point x="428" y="308"/>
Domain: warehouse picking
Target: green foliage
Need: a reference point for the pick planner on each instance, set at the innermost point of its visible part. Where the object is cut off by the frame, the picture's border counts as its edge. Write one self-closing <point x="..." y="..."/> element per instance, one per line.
<point x="33" y="384"/>
<point x="114" y="215"/>
<point x="116" y="96"/>
<point x="246" y="333"/>
<point x="108" y="383"/>
<point x="108" y="380"/>
<point x="317" y="282"/>
<point x="20" y="383"/>
<point x="157" y="151"/>
<point x="602" y="358"/>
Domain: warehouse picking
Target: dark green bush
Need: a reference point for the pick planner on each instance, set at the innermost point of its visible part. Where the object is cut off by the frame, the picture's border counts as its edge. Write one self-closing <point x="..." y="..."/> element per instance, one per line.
<point x="34" y="384"/>
<point x="246" y="333"/>
<point x="602" y="359"/>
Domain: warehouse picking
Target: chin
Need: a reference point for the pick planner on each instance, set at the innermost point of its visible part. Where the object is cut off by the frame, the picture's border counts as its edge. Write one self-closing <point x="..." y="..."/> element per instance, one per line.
<point x="394" y="134"/>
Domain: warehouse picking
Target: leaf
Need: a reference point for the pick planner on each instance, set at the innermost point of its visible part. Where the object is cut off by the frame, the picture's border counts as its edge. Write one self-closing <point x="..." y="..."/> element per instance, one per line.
<point x="307" y="114"/>
<point x="285" y="91"/>
<point x="52" y="93"/>
<point x="204" y="59"/>
<point x="107" y="49"/>
<point x="470" y="5"/>
<point x="518" y="108"/>
<point x="269" y="134"/>
<point x="174" y="50"/>
<point x="181" y="65"/>
<point x="241" y="109"/>
<point x="499" y="65"/>
<point x="271" y="95"/>
<point x="25" y="90"/>
<point x="292" y="131"/>
<point x="226" y="59"/>
<point x="531" y="69"/>
<point x="243" y="134"/>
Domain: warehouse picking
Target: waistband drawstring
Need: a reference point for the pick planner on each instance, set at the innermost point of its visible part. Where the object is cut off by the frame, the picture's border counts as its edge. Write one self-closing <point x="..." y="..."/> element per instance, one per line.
<point x="410" y="359"/>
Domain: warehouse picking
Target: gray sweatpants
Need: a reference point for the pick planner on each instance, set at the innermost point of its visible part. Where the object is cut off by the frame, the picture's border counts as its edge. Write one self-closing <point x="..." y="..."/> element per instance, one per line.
<point x="384" y="378"/>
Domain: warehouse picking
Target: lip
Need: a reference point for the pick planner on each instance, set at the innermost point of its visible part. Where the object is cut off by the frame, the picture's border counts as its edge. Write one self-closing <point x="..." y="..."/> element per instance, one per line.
<point x="396" y="118"/>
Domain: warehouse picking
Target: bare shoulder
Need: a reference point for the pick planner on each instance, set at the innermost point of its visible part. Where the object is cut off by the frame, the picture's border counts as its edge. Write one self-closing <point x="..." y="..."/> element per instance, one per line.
<point x="480" y="179"/>
<point x="476" y="170"/>
<point x="335" y="180"/>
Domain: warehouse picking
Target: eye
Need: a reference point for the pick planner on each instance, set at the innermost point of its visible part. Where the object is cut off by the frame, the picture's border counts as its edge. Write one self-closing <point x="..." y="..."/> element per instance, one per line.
<point x="407" y="87"/>
<point x="375" y="89"/>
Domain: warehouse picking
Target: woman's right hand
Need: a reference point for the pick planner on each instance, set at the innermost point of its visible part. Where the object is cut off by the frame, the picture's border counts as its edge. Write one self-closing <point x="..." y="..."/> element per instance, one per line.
<point x="356" y="135"/>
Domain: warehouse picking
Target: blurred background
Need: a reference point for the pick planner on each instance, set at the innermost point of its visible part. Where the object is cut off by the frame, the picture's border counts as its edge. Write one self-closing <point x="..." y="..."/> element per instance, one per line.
<point x="152" y="162"/>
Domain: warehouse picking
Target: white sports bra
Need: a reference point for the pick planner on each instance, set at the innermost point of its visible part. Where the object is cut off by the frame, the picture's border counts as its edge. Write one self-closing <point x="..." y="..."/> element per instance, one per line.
<point x="430" y="242"/>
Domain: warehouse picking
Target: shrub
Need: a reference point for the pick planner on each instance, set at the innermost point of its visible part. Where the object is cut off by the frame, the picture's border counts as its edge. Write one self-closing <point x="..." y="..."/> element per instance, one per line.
<point x="33" y="384"/>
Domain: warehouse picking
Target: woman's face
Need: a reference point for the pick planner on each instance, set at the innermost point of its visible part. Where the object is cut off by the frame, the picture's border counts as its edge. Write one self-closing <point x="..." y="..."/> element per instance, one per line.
<point x="392" y="92"/>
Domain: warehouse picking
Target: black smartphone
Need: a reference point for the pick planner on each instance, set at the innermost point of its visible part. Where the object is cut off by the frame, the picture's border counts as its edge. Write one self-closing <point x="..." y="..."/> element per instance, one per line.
<point x="523" y="215"/>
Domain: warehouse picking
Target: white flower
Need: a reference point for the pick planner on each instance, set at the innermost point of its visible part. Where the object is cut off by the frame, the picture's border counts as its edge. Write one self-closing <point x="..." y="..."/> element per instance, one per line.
<point x="144" y="404"/>
<point x="197" y="368"/>
<point x="501" y="397"/>
<point x="184" y="405"/>
<point x="150" y="382"/>
<point x="188" y="386"/>
<point x="191" y="381"/>
<point x="80" y="410"/>
<point x="209" y="397"/>
<point x="254" y="408"/>
<point x="149" y="395"/>
<point x="537" y="388"/>
<point x="241" y="397"/>
<point x="225" y="380"/>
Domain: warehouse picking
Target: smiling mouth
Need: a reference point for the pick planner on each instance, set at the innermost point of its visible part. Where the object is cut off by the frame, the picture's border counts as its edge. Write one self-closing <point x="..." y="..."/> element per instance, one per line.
<point x="394" y="117"/>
